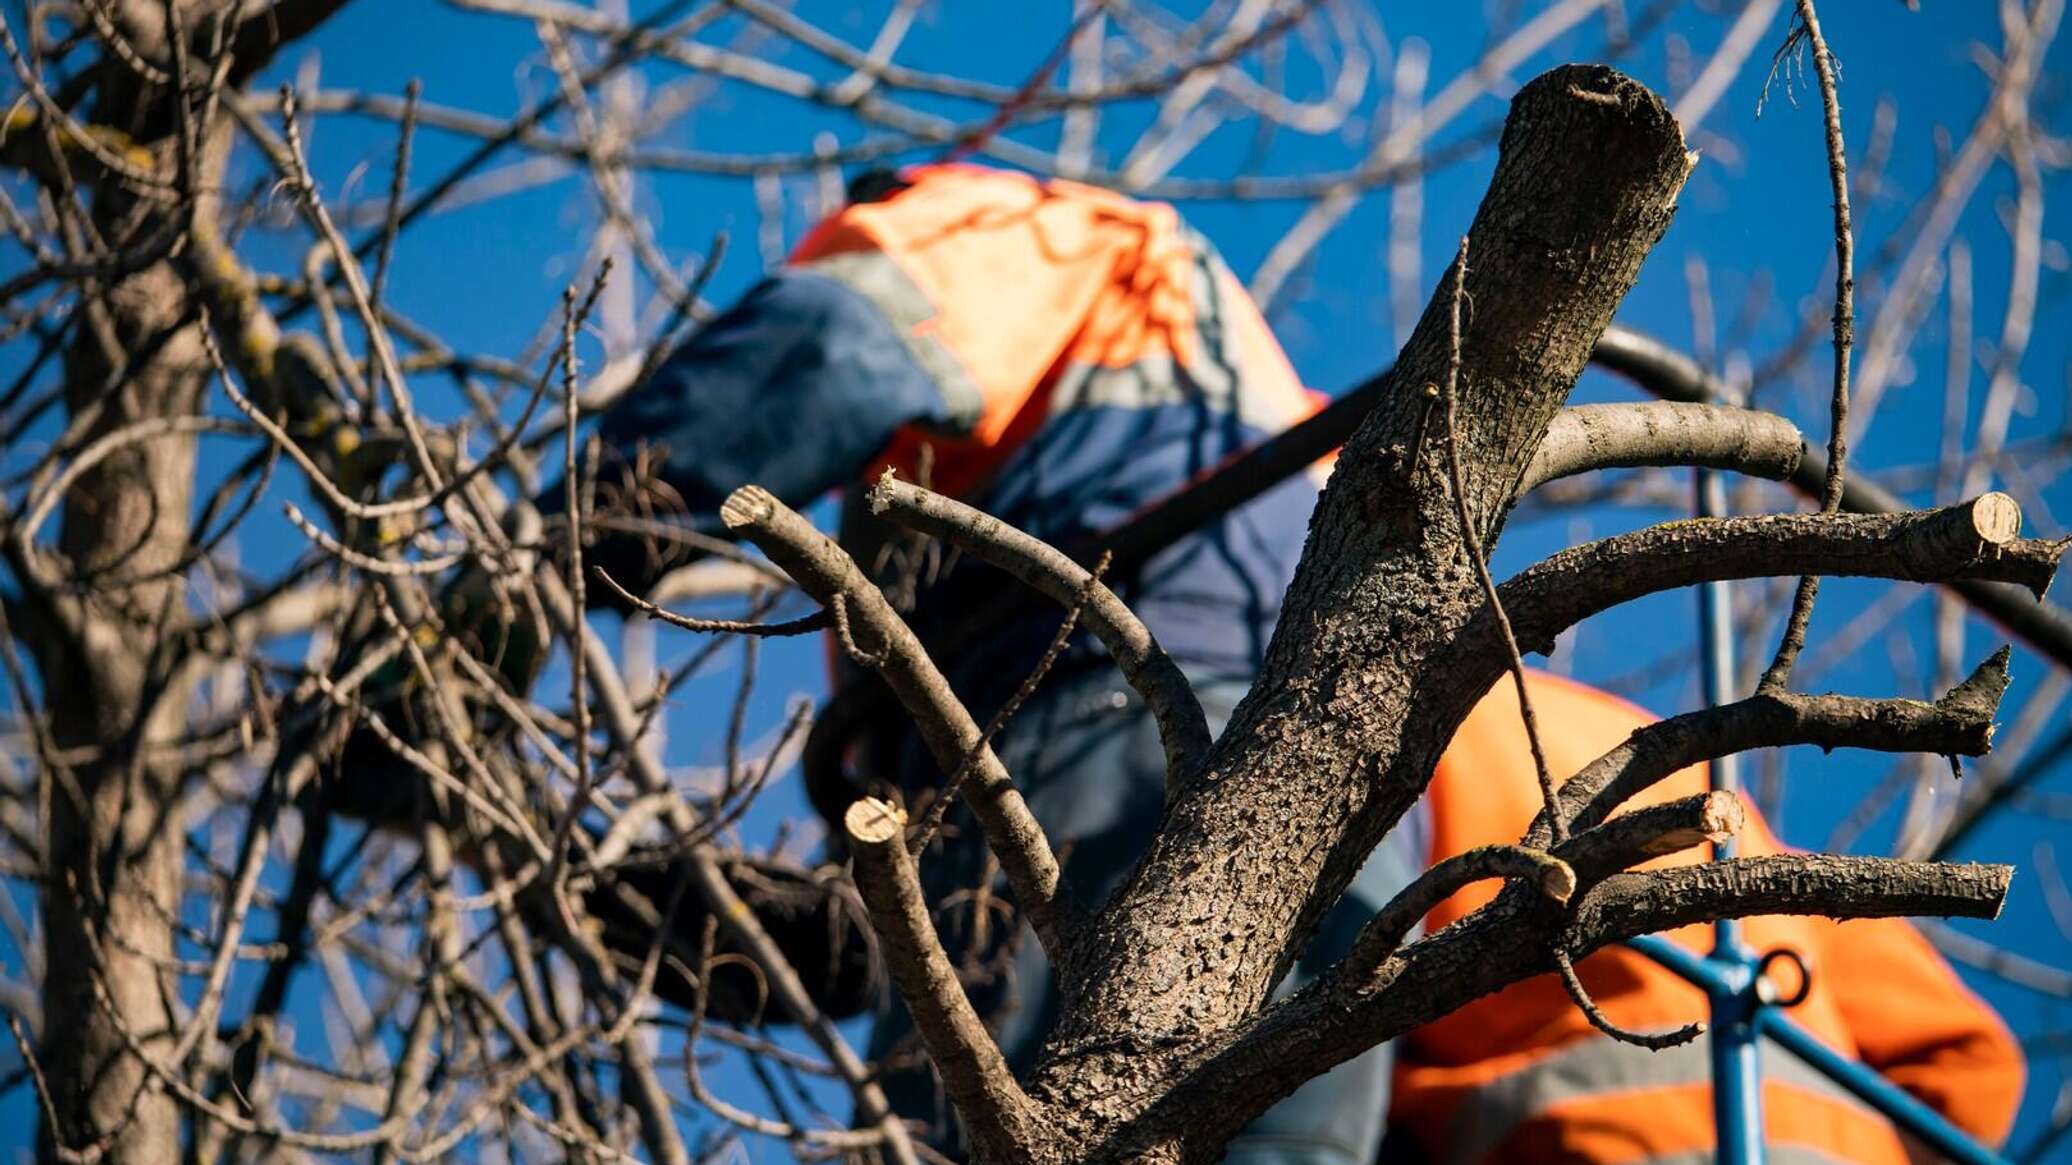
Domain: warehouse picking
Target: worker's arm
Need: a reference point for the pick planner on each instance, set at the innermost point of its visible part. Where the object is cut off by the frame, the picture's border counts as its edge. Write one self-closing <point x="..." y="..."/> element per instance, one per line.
<point x="796" y="388"/>
<point x="1916" y="1023"/>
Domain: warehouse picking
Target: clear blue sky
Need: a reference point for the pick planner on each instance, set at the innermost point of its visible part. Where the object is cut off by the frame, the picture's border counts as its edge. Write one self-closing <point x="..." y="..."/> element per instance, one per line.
<point x="1756" y="210"/>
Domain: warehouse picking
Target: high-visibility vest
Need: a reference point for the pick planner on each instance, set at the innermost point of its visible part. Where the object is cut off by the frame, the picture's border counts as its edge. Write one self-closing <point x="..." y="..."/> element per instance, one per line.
<point x="1521" y="1077"/>
<point x="1026" y="298"/>
<point x="1093" y="353"/>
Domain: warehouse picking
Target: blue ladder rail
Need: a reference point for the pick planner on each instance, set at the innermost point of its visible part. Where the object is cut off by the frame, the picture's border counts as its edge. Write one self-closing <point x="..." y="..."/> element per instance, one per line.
<point x="1720" y="982"/>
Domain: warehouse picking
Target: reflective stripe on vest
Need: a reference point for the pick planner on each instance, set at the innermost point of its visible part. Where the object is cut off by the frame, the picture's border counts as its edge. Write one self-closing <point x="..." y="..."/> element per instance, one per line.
<point x="1601" y="1068"/>
<point x="1772" y="1155"/>
<point x="877" y="278"/>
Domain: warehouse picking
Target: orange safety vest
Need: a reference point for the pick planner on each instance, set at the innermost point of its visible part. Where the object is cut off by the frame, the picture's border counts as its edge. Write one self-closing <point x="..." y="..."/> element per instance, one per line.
<point x="1024" y="298"/>
<point x="1521" y="1077"/>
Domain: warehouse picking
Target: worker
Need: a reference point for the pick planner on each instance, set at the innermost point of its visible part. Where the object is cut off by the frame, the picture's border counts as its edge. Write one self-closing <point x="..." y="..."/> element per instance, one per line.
<point x="1523" y="1078"/>
<point x="1058" y="356"/>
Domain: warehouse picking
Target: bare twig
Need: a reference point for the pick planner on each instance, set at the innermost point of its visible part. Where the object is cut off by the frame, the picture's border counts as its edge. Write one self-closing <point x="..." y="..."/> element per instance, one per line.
<point x="1778" y="675"/>
<point x="1144" y="664"/>
<point x="1471" y="536"/>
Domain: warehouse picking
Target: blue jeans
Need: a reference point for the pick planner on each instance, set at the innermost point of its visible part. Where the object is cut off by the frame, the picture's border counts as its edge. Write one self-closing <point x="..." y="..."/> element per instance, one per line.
<point x="1086" y="754"/>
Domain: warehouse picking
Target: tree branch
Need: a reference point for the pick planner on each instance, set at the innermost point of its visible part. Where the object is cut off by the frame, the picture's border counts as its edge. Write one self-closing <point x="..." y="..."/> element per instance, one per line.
<point x="1041" y="566"/>
<point x="1672" y="827"/>
<point x="1664" y="433"/>
<point x="1958" y="724"/>
<point x="973" y="1071"/>
<point x="1385" y="932"/>
<point x="1343" y="1013"/>
<point x="1974" y="539"/>
<point x="1360" y="690"/>
<point x="1834" y="886"/>
<point x="826" y="572"/>
<point x="1668" y="373"/>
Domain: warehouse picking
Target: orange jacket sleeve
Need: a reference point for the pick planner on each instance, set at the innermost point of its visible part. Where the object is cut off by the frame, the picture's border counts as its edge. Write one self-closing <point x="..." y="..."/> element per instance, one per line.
<point x="1916" y="1023"/>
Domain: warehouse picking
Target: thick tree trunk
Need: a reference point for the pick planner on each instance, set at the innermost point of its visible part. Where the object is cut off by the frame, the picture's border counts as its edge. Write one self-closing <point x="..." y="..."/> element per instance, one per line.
<point x="1369" y="672"/>
<point x="116" y="841"/>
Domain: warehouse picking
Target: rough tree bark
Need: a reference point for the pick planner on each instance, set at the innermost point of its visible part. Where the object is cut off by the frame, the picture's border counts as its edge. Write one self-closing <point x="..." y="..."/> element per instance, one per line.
<point x="116" y="847"/>
<point x="1368" y="674"/>
<point x="116" y="596"/>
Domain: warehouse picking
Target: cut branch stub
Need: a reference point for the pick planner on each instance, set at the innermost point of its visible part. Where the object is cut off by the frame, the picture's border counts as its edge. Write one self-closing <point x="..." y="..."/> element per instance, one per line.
<point x="973" y="1072"/>
<point x="872" y="823"/>
<point x="1671" y="827"/>
<point x="1968" y="530"/>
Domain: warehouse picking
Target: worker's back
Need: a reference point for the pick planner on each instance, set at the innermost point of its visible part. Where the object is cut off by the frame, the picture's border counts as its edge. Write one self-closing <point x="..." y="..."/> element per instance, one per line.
<point x="1058" y="355"/>
<point x="1522" y="1077"/>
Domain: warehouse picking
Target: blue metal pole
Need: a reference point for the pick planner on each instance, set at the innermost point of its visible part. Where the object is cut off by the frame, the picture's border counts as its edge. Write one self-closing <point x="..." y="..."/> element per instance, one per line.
<point x="1737" y="1083"/>
<point x="1898" y="1105"/>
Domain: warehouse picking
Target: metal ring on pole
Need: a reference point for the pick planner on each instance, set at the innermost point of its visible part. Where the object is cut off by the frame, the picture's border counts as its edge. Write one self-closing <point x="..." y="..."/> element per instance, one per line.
<point x="1766" y="991"/>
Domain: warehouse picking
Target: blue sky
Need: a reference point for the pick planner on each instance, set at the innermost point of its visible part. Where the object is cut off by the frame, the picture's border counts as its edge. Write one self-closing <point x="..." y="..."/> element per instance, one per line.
<point x="1755" y="213"/>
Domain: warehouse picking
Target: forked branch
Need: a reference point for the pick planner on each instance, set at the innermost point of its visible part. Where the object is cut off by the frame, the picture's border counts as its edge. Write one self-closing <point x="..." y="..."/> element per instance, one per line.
<point x="1050" y="571"/>
<point x="825" y="571"/>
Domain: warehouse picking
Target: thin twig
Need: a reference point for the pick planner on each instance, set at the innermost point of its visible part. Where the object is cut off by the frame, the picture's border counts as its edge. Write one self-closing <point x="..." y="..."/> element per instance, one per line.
<point x="1472" y="540"/>
<point x="1580" y="995"/>
<point x="579" y="688"/>
<point x="1778" y="675"/>
<point x="818" y="621"/>
<point x="922" y="834"/>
